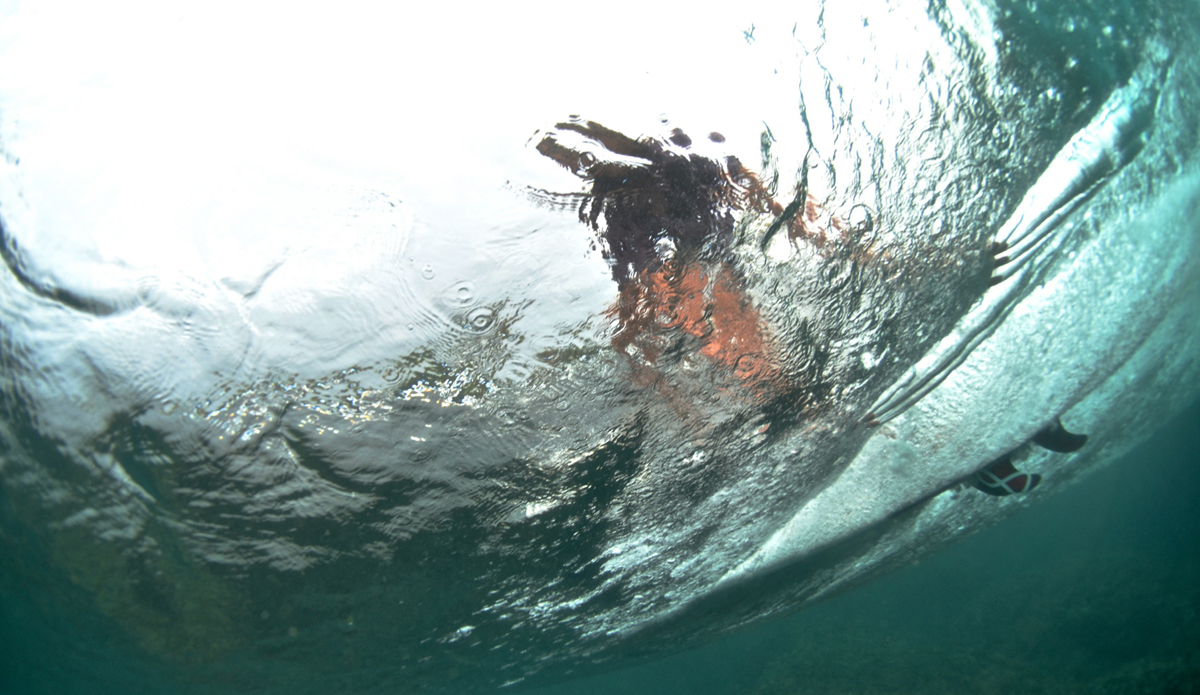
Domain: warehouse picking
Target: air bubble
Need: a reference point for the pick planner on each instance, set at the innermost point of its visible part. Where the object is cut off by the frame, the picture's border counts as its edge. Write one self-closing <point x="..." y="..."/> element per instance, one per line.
<point x="460" y="295"/>
<point x="427" y="271"/>
<point x="668" y="318"/>
<point x="747" y="365"/>
<point x="860" y="219"/>
<point x="586" y="161"/>
<point x="480" y="320"/>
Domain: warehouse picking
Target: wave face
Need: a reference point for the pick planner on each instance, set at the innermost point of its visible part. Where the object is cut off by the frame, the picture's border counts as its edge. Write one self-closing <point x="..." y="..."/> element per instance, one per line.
<point x="344" y="355"/>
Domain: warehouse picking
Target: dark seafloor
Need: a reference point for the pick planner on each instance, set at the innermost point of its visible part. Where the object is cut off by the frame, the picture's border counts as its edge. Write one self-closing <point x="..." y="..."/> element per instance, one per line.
<point x="1096" y="590"/>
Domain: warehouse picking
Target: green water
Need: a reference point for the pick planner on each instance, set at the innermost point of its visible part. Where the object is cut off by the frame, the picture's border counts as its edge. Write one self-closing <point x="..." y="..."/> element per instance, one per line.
<point x="1095" y="591"/>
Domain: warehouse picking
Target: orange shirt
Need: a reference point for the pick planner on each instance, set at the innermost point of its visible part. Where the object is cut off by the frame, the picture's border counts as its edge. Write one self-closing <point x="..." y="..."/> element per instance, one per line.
<point x="699" y="308"/>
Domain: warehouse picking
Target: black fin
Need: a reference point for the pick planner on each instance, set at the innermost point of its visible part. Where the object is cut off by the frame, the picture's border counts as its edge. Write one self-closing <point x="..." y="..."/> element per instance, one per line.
<point x="1055" y="437"/>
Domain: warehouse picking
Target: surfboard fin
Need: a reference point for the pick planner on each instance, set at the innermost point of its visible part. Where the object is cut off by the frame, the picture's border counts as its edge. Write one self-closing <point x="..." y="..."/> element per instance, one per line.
<point x="1001" y="477"/>
<point x="1055" y="437"/>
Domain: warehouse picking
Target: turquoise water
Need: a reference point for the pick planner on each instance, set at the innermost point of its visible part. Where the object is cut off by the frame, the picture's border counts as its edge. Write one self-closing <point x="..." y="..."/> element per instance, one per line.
<point x="1096" y="590"/>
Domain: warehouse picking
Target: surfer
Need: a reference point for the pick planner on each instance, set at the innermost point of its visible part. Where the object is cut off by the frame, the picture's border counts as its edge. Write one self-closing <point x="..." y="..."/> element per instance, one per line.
<point x="664" y="214"/>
